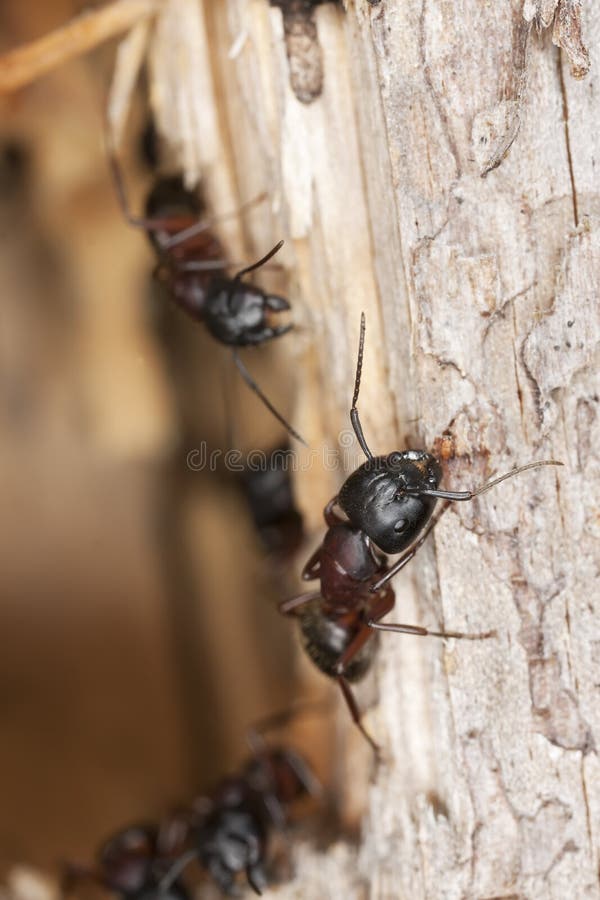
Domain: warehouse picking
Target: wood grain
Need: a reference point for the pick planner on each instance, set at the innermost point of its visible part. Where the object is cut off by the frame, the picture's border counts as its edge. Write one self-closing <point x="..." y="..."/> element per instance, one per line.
<point x="481" y="295"/>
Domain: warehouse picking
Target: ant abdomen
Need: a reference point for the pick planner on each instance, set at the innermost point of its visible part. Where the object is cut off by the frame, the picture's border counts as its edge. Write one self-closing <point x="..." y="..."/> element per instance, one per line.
<point x="325" y="639"/>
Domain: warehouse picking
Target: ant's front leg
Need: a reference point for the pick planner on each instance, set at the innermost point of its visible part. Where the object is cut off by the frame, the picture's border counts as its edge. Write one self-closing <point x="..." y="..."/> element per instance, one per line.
<point x="312" y="569"/>
<point x="329" y="514"/>
<point x="383" y="605"/>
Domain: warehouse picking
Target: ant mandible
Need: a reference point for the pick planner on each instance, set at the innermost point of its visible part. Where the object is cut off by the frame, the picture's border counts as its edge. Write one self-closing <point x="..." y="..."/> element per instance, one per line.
<point x="338" y="621"/>
<point x="392" y="498"/>
<point x="191" y="263"/>
<point x="133" y="863"/>
<point x="231" y="828"/>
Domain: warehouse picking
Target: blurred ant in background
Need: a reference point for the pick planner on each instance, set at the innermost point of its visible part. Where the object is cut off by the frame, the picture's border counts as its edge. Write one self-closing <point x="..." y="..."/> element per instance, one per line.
<point x="231" y="830"/>
<point x="268" y="492"/>
<point x="191" y="263"/>
<point x="133" y="863"/>
<point x="389" y="503"/>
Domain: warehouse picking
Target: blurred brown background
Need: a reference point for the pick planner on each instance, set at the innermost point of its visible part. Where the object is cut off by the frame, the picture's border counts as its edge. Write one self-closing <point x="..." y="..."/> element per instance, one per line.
<point x="138" y="636"/>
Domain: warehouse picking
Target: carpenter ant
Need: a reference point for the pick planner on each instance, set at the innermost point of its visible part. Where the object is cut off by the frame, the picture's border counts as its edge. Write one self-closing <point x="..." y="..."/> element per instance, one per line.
<point x="133" y="864"/>
<point x="268" y="491"/>
<point x="233" y="825"/>
<point x="391" y="498"/>
<point x="389" y="502"/>
<point x="191" y="263"/>
<point x="338" y="621"/>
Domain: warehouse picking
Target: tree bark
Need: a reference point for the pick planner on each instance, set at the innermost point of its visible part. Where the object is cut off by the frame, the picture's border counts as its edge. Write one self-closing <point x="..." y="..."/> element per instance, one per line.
<point x="444" y="181"/>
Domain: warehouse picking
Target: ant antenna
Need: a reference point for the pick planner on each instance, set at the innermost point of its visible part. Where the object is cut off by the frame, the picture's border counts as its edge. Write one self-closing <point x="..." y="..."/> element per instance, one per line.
<point x="354" y="411"/>
<point x="260" y="262"/>
<point x="469" y="495"/>
<point x="254" y="387"/>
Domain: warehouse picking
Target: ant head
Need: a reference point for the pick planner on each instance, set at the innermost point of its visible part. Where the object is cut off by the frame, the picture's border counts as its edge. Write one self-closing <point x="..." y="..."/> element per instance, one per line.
<point x="383" y="497"/>
<point x="126" y="859"/>
<point x="238" y="313"/>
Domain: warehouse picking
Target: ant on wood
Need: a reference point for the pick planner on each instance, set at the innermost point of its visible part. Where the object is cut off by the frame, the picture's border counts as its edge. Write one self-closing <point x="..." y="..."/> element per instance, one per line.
<point x="231" y="829"/>
<point x="133" y="863"/>
<point x="191" y="263"/>
<point x="389" y="503"/>
<point x="270" y="498"/>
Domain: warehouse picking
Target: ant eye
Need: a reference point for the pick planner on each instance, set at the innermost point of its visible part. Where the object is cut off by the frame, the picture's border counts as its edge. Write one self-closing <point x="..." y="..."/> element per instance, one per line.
<point x="400" y="526"/>
<point x="394" y="460"/>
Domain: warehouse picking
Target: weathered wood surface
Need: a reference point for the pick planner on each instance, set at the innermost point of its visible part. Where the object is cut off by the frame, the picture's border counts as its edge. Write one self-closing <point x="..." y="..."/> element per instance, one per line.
<point x="481" y="295"/>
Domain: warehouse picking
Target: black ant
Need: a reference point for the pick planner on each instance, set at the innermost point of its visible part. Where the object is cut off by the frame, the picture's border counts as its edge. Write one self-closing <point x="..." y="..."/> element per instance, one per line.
<point x="133" y="863"/>
<point x="231" y="828"/>
<point x="389" y="502"/>
<point x="268" y="491"/>
<point x="191" y="263"/>
<point x="392" y="498"/>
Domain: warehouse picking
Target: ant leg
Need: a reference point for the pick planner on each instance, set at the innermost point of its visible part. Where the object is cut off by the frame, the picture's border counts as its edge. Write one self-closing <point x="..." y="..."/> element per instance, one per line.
<point x="167" y="882"/>
<point x="312" y="569"/>
<point x="385" y="605"/>
<point x="356" y="714"/>
<point x="148" y="224"/>
<point x="256" y="878"/>
<point x="411" y="552"/>
<point x="331" y="517"/>
<point x="209" y="221"/>
<point x="154" y="223"/>
<point x="424" y="632"/>
<point x="386" y="602"/>
<point x="257" y="742"/>
<point x="172" y="833"/>
<point x="289" y="607"/>
<point x="255" y="388"/>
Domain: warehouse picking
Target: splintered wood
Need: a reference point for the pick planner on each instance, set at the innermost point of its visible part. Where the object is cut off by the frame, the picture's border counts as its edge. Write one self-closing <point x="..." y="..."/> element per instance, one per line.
<point x="481" y="297"/>
<point x="483" y="338"/>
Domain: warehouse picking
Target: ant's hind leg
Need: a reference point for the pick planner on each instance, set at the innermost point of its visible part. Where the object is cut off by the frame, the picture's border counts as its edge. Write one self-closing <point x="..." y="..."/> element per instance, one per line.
<point x="356" y="714"/>
<point x="425" y="632"/>
<point x="289" y="607"/>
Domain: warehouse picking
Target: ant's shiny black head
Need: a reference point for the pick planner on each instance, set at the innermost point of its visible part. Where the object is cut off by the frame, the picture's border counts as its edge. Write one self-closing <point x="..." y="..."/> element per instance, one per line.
<point x="238" y="314"/>
<point x="391" y="498"/>
<point x="388" y="497"/>
<point x="382" y="497"/>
